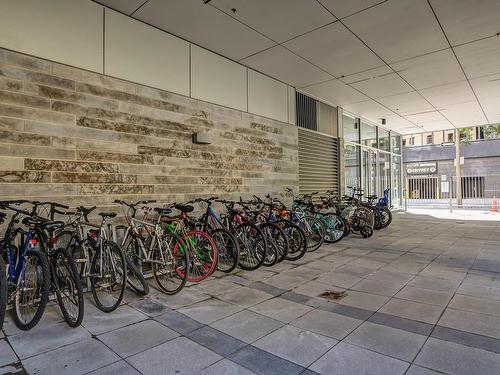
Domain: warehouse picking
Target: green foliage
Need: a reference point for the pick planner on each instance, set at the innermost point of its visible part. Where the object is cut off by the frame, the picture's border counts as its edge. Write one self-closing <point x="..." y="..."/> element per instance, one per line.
<point x="491" y="131"/>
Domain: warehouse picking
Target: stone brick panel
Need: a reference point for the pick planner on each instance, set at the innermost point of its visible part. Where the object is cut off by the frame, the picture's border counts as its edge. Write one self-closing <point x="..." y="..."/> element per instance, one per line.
<point x="79" y="137"/>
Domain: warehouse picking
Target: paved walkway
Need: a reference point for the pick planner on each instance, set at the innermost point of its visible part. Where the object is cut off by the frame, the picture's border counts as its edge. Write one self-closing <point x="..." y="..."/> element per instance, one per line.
<point x="422" y="297"/>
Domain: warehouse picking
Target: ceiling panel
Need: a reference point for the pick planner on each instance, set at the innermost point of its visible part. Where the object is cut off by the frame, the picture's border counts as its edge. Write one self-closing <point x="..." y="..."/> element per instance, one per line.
<point x="399" y="29"/>
<point x="408" y="103"/>
<point x="426" y="117"/>
<point x="343" y="8"/>
<point x="492" y="107"/>
<point x="335" y="49"/>
<point x="124" y="6"/>
<point x="464" y="114"/>
<point x="203" y="25"/>
<point x="367" y="74"/>
<point x="480" y="58"/>
<point x="369" y="109"/>
<point x="430" y="70"/>
<point x="280" y="63"/>
<point x="280" y="20"/>
<point x="437" y="125"/>
<point x="467" y="20"/>
<point x="454" y="93"/>
<point x="385" y="85"/>
<point x="335" y="92"/>
<point x="487" y="87"/>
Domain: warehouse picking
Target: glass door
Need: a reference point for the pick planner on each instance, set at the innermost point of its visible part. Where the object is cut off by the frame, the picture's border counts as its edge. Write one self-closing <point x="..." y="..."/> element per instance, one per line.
<point x="369" y="171"/>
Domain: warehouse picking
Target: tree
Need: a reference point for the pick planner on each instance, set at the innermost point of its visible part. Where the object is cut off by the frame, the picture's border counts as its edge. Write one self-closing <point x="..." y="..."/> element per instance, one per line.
<point x="491" y="131"/>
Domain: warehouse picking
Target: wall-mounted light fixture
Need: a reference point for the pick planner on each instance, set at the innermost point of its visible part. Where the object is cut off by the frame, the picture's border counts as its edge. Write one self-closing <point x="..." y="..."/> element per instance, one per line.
<point x="202" y="138"/>
<point x="383" y="121"/>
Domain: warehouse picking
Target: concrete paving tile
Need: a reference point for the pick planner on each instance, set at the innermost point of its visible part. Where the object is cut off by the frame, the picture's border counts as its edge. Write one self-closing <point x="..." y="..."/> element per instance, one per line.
<point x="413" y="310"/>
<point x="45" y="338"/>
<point x="216" y="287"/>
<point x="226" y="367"/>
<point x="457" y="359"/>
<point x="260" y="274"/>
<point x="266" y="288"/>
<point x="149" y="307"/>
<point x="387" y="340"/>
<point x="216" y="341"/>
<point x="117" y="368"/>
<point x="247" y="326"/>
<point x="7" y="355"/>
<point x="353" y="312"/>
<point x="486" y="325"/>
<point x="417" y="370"/>
<point x="50" y="316"/>
<point x="137" y="337"/>
<point x="312" y="288"/>
<point x="327" y="323"/>
<point x="98" y="322"/>
<point x="479" y="291"/>
<point x="391" y="276"/>
<point x="79" y="358"/>
<point x="404" y="324"/>
<point x="322" y="265"/>
<point x="210" y="310"/>
<point x="356" y="270"/>
<point x="262" y="362"/>
<point x="178" y="356"/>
<point x="245" y="297"/>
<point x="380" y="287"/>
<point x="284" y="281"/>
<point x="178" y="322"/>
<point x="363" y="300"/>
<point x="474" y="304"/>
<point x="281" y="309"/>
<point x="433" y="284"/>
<point x="466" y="338"/>
<point x="349" y="359"/>
<point x="339" y="279"/>
<point x="302" y="347"/>
<point x="432" y="297"/>
<point x="185" y="298"/>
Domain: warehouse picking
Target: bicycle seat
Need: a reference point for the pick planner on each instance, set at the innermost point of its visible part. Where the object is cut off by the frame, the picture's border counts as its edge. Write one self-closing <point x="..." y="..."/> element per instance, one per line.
<point x="29" y="220"/>
<point x="184" y="207"/>
<point x="51" y="225"/>
<point x="107" y="214"/>
<point x="372" y="197"/>
<point x="163" y="211"/>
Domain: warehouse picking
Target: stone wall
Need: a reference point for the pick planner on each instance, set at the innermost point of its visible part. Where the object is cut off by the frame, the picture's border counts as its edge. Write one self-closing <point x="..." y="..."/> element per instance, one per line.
<point x="79" y="137"/>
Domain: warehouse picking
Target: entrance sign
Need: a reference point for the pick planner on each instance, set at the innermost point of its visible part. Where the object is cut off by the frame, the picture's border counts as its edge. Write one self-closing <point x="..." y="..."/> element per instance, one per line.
<point x="421" y="168"/>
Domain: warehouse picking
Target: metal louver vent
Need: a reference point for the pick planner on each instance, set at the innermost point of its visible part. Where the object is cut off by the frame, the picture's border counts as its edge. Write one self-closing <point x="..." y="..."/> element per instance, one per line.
<point x="318" y="162"/>
<point x="306" y="110"/>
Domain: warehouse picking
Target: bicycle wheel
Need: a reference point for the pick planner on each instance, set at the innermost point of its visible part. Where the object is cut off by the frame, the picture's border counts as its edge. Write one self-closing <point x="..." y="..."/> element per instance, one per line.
<point x="334" y="227"/>
<point x="252" y="244"/>
<point x="202" y="254"/>
<point x="170" y="264"/>
<point x="32" y="292"/>
<point x="135" y="279"/>
<point x="365" y="216"/>
<point x="366" y="231"/>
<point x="271" y="253"/>
<point x="386" y="216"/>
<point x="69" y="291"/>
<point x="227" y="248"/>
<point x="274" y="233"/>
<point x="108" y="276"/>
<point x="296" y="238"/>
<point x="3" y="289"/>
<point x="315" y="232"/>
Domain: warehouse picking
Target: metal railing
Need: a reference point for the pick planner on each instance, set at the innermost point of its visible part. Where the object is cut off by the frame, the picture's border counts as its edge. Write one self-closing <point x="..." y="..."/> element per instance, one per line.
<point x="478" y="192"/>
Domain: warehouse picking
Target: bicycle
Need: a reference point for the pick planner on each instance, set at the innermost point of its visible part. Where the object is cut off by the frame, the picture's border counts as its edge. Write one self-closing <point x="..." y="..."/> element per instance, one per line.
<point x="102" y="262"/>
<point x="145" y="241"/>
<point x="3" y="280"/>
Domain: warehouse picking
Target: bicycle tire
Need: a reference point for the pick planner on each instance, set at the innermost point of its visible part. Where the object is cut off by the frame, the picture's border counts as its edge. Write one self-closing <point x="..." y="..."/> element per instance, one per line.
<point x="316" y="236"/>
<point x="74" y="283"/>
<point x="297" y="240"/>
<point x="335" y="229"/>
<point x="119" y="256"/>
<point x="3" y="289"/>
<point x="271" y="253"/>
<point x="135" y="278"/>
<point x="43" y="291"/>
<point x="274" y="233"/>
<point x="386" y="220"/>
<point x="227" y="249"/>
<point x="180" y="262"/>
<point x="253" y="247"/>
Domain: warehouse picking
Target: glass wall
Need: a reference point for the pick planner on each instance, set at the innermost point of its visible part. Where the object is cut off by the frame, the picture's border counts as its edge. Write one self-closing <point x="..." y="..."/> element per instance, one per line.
<point x="372" y="159"/>
<point x="352" y="170"/>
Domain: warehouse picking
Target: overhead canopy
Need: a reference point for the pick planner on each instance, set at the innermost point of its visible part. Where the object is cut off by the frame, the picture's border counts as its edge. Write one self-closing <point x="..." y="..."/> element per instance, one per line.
<point x="422" y="65"/>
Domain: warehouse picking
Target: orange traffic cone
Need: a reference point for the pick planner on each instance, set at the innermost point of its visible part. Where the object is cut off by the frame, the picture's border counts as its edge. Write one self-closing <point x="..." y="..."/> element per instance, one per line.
<point x="494" y="206"/>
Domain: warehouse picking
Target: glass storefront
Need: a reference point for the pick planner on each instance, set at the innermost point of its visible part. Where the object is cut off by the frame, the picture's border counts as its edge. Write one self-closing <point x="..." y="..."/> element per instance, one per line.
<point x="372" y="159"/>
